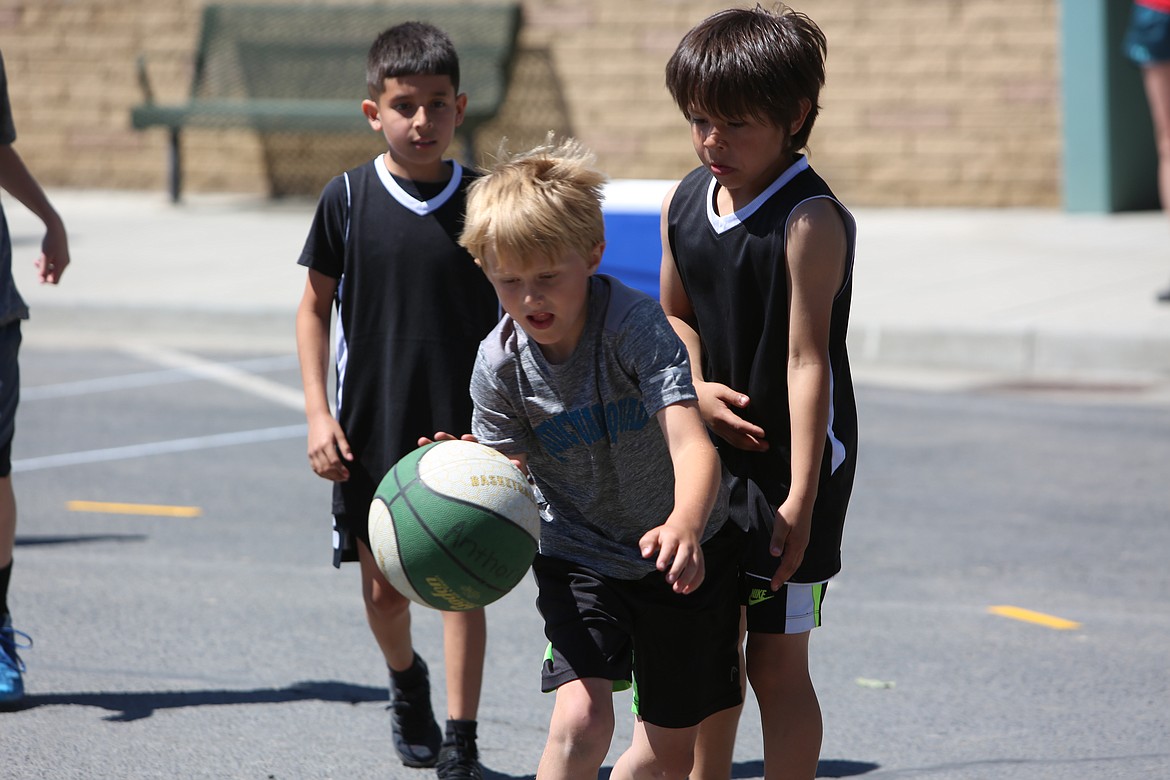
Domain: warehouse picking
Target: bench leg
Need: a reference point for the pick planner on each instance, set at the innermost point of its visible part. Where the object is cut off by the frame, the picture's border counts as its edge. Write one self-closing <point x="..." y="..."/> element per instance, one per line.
<point x="176" y="166"/>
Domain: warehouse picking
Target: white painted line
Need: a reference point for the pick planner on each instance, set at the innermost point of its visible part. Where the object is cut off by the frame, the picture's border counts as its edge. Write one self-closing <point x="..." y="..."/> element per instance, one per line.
<point x="224" y="373"/>
<point x="160" y="448"/>
<point x="146" y="379"/>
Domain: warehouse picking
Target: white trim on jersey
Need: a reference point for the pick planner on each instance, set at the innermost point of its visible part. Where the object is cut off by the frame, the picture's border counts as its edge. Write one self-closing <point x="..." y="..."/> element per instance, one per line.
<point x="409" y="202"/>
<point x="722" y="224"/>
<point x="341" y="346"/>
<point x="837" y="447"/>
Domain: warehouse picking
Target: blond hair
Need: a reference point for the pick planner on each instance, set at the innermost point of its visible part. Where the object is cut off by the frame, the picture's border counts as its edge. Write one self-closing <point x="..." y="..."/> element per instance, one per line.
<point x="535" y="205"/>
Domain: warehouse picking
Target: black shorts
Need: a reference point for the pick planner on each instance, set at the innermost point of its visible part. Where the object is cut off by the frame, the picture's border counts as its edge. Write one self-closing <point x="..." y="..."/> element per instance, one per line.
<point x="793" y="609"/>
<point x="9" y="391"/>
<point x="680" y="651"/>
<point x="348" y="530"/>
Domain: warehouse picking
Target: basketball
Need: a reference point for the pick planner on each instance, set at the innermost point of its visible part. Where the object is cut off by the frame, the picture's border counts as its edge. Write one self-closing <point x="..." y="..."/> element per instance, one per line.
<point x="454" y="525"/>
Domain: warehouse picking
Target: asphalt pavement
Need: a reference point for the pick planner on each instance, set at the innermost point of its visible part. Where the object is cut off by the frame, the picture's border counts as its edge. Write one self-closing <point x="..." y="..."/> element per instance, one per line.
<point x="160" y="375"/>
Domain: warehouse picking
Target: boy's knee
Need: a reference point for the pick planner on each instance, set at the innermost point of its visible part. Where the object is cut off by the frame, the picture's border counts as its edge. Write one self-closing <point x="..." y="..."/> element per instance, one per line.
<point x="581" y="730"/>
<point x="672" y="765"/>
<point x="385" y="601"/>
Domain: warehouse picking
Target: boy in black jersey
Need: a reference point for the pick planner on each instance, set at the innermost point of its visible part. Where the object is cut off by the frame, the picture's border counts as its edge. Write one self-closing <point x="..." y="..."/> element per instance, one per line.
<point x="756" y="277"/>
<point x="412" y="308"/>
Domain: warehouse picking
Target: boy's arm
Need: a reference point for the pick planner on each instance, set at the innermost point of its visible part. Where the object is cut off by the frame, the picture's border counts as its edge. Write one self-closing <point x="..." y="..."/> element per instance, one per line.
<point x="16" y="179"/>
<point x="696" y="483"/>
<point x="328" y="447"/>
<point x="817" y="260"/>
<point x="717" y="402"/>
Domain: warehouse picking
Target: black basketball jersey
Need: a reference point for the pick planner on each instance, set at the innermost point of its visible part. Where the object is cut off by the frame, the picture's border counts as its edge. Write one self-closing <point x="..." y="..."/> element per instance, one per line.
<point x="412" y="307"/>
<point x="733" y="269"/>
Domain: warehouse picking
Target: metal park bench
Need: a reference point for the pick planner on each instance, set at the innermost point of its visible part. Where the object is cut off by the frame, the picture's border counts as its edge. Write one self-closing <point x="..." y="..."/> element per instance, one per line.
<point x="301" y="68"/>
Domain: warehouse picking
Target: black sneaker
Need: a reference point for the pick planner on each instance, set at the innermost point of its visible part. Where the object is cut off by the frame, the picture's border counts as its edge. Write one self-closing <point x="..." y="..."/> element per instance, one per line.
<point x="459" y="760"/>
<point x="412" y="722"/>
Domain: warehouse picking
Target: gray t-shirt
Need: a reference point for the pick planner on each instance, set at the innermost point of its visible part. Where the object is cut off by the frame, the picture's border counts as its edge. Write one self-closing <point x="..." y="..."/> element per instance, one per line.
<point x="595" y="450"/>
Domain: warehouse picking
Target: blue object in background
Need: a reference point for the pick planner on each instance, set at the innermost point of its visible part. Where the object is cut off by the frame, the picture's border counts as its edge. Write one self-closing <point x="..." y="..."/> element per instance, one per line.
<point x="633" y="247"/>
<point x="633" y="250"/>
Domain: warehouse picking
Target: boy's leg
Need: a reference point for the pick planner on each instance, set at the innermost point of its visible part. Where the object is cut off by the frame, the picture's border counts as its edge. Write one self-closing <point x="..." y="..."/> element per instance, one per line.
<point x="7" y="523"/>
<point x="9" y="398"/>
<point x="715" y="744"/>
<point x="579" y="731"/>
<point x="387" y="612"/>
<point x="464" y="644"/>
<point x="657" y="752"/>
<point x="790" y="715"/>
<point x="11" y="667"/>
<point x="1157" y="83"/>
<point x="1156" y="78"/>
<point x="415" y="733"/>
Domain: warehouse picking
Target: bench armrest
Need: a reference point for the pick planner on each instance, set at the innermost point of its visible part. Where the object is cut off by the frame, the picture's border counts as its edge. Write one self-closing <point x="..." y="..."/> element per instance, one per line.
<point x="144" y="80"/>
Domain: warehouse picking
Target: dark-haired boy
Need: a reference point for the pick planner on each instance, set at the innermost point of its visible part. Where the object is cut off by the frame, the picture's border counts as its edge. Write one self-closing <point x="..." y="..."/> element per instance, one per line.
<point x="756" y="275"/>
<point x="411" y="310"/>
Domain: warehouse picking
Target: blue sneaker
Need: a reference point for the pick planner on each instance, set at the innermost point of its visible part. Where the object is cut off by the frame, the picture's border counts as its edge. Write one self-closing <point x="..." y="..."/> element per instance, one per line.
<point x="11" y="683"/>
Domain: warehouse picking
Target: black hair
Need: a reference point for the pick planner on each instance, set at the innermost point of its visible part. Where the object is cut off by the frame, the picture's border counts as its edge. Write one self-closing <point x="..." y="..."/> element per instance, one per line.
<point x="756" y="63"/>
<point x="410" y="49"/>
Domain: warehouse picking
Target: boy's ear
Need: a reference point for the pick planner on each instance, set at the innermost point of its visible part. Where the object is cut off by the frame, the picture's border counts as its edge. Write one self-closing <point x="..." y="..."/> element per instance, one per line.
<point x="798" y="121"/>
<point x="595" y="256"/>
<point x="460" y="108"/>
<point x="373" y="115"/>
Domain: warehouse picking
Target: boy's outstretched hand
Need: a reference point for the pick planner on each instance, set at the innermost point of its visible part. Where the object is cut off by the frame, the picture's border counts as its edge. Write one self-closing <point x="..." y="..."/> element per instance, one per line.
<point x="719" y="405"/>
<point x="679" y="555"/>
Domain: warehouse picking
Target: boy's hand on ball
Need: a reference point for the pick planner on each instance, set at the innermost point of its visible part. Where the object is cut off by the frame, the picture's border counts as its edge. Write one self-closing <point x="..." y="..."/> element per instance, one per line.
<point x="443" y="436"/>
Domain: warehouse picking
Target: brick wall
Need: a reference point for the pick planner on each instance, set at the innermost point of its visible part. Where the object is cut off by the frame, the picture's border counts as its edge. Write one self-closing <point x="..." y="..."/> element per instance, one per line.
<point x="928" y="102"/>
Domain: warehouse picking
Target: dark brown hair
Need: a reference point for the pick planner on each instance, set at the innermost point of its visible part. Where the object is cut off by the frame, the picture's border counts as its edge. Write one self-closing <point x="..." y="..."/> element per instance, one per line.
<point x="410" y="49"/>
<point x="755" y="63"/>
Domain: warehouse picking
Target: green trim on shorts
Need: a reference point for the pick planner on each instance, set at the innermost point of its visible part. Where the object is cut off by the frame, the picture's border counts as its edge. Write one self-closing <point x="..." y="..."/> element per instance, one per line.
<point x="632" y="684"/>
<point x="618" y="685"/>
<point x="818" y="593"/>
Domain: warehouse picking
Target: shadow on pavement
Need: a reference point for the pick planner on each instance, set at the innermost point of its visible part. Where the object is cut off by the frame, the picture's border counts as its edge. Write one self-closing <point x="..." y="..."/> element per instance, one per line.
<point x="132" y="706"/>
<point x="36" y="541"/>
<point x="742" y="770"/>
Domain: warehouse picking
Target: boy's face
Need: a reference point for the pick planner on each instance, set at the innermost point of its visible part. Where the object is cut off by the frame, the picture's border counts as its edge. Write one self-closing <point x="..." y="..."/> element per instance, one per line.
<point x="418" y="116"/>
<point x="744" y="155"/>
<point x="549" y="300"/>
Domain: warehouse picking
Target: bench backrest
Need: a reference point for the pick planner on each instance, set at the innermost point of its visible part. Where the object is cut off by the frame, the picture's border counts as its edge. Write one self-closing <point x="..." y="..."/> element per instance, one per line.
<point x="319" y="52"/>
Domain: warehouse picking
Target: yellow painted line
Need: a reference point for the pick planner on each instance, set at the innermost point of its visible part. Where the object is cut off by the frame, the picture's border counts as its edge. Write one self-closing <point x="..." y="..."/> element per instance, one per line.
<point x="1039" y="618"/>
<point x="156" y="510"/>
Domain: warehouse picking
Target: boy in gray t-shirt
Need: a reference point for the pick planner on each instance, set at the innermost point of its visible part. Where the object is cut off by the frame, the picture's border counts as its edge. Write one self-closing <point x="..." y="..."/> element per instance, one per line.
<point x="584" y="384"/>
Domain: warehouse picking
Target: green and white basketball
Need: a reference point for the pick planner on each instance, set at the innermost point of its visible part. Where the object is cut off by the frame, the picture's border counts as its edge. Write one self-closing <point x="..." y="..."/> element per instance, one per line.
<point x="454" y="525"/>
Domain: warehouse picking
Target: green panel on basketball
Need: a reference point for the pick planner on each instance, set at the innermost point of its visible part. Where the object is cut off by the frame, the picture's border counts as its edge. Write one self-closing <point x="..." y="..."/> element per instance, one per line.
<point x="454" y="525"/>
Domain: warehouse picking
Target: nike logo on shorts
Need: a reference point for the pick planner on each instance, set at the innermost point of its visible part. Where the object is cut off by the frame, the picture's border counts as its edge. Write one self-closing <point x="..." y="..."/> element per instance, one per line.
<point x="759" y="595"/>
